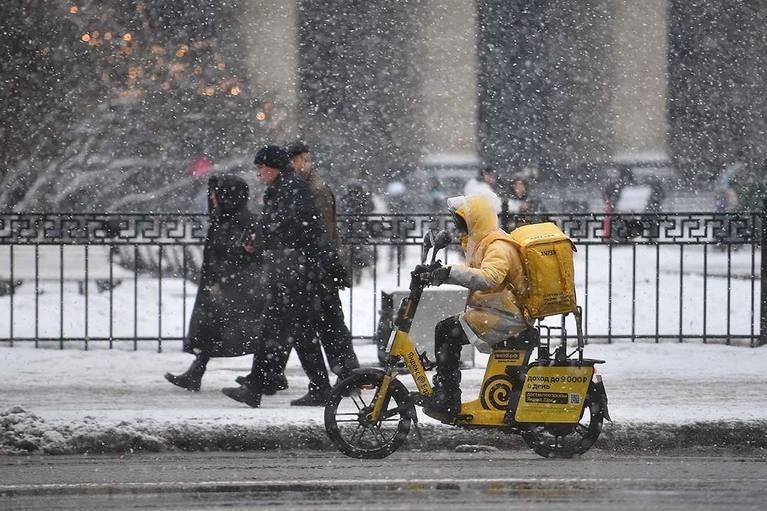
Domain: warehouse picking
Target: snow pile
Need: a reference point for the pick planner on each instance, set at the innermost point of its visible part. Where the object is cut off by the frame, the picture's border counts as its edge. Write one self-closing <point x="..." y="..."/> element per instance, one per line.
<point x="23" y="432"/>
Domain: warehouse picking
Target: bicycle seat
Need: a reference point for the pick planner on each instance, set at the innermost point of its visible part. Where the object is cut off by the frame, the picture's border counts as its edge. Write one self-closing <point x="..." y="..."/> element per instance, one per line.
<point x="527" y="339"/>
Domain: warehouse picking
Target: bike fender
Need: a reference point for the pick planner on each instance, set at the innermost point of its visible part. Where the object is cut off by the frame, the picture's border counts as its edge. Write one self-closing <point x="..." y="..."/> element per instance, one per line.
<point x="600" y="395"/>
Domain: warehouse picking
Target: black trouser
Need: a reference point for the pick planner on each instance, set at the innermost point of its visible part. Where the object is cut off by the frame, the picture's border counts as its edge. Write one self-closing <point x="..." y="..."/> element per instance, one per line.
<point x="289" y="319"/>
<point x="449" y="338"/>
<point x="333" y="333"/>
<point x="327" y="322"/>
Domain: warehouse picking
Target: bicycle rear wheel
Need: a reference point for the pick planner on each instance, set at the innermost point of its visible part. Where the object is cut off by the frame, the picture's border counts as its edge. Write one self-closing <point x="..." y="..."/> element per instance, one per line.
<point x="567" y="440"/>
<point x="346" y="420"/>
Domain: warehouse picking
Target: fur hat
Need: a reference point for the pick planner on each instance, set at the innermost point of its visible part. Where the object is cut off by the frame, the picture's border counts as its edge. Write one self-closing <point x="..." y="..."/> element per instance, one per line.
<point x="272" y="156"/>
<point x="296" y="148"/>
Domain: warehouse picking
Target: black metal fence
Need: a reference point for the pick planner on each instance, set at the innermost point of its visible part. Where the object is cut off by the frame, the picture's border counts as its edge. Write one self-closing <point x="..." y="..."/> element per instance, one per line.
<point x="129" y="279"/>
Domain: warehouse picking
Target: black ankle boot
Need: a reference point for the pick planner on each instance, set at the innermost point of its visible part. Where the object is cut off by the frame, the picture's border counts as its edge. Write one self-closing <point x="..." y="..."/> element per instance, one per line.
<point x="248" y="393"/>
<point x="191" y="379"/>
<point x="315" y="397"/>
<point x="445" y="402"/>
<point x="271" y="386"/>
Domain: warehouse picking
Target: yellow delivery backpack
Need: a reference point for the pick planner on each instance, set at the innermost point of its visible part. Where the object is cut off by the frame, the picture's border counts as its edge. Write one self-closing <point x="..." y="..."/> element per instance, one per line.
<point x="547" y="254"/>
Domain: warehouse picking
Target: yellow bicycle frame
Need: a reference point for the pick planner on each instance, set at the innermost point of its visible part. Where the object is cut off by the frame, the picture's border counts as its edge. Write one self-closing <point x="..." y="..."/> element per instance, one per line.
<point x="401" y="345"/>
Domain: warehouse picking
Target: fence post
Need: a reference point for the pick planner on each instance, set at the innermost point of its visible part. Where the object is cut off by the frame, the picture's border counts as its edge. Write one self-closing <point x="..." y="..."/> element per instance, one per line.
<point x="763" y="278"/>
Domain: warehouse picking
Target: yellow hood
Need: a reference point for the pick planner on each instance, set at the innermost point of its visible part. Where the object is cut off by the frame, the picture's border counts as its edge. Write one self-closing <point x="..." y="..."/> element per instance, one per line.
<point x="480" y="216"/>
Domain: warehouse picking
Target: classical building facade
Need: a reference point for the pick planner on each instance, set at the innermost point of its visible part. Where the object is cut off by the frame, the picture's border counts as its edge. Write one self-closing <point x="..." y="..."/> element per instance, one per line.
<point x="383" y="87"/>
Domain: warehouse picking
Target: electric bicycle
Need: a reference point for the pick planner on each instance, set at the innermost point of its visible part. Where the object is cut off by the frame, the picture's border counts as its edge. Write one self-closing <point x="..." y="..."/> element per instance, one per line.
<point x="557" y="403"/>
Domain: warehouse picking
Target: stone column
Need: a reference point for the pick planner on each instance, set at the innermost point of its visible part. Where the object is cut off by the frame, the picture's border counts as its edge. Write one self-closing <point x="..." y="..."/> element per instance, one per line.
<point x="449" y="80"/>
<point x="640" y="61"/>
<point x="270" y="31"/>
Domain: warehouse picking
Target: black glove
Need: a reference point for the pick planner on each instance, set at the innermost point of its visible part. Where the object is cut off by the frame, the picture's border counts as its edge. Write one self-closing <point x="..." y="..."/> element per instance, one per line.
<point x="440" y="275"/>
<point x="420" y="269"/>
<point x="423" y="273"/>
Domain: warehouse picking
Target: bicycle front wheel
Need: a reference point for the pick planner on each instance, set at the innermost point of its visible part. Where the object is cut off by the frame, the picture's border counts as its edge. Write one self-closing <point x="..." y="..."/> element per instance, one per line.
<point x="346" y="419"/>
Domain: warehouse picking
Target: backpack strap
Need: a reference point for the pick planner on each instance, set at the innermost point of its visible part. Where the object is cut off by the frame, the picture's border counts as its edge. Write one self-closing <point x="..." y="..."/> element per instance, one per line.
<point x="502" y="236"/>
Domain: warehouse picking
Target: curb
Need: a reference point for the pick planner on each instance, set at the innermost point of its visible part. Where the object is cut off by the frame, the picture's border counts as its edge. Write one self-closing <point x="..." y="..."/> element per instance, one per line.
<point x="348" y="486"/>
<point x="23" y="433"/>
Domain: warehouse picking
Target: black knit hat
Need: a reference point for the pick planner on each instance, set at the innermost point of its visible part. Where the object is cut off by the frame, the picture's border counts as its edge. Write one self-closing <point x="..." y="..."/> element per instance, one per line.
<point x="272" y="156"/>
<point x="296" y="148"/>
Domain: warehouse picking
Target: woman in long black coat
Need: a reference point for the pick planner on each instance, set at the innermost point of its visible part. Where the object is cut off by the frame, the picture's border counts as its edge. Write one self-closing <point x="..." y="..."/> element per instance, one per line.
<point x="225" y="320"/>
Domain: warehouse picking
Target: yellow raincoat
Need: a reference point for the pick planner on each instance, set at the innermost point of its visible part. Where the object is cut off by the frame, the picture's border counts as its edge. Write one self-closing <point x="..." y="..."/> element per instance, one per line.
<point x="494" y="275"/>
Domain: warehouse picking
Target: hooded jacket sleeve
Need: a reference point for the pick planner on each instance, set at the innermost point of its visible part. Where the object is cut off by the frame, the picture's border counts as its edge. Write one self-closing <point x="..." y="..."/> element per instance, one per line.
<point x="500" y="264"/>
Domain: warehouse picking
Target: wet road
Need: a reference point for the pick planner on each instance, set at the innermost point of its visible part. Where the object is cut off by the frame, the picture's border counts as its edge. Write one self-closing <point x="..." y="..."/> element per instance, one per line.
<point x="407" y="480"/>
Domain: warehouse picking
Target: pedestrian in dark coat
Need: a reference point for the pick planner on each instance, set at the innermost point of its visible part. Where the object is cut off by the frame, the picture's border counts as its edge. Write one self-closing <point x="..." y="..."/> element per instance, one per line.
<point x="297" y="260"/>
<point x="225" y="320"/>
<point x="327" y="315"/>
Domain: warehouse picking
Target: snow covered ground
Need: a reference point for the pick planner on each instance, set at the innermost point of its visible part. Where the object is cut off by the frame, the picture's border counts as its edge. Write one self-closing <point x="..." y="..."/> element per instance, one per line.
<point x="62" y="400"/>
<point x="667" y="382"/>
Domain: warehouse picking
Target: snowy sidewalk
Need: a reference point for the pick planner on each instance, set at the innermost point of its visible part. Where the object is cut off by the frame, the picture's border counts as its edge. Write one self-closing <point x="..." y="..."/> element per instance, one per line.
<point x="102" y="400"/>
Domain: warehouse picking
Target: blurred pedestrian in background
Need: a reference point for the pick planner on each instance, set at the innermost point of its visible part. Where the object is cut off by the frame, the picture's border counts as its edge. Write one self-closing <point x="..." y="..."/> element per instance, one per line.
<point x="520" y="206"/>
<point x="653" y="209"/>
<point x="727" y="207"/>
<point x="358" y="253"/>
<point x="396" y="203"/>
<point x="484" y="184"/>
<point x="437" y="196"/>
<point x="225" y="321"/>
<point x="611" y="194"/>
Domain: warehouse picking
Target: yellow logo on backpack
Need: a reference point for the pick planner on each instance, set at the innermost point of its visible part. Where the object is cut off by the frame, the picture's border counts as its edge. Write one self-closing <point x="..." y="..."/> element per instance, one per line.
<point x="547" y="254"/>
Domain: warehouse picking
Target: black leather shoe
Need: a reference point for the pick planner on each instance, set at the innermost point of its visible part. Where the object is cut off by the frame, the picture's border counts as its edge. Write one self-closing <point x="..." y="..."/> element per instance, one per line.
<point x="313" y="398"/>
<point x="279" y="382"/>
<point x="247" y="394"/>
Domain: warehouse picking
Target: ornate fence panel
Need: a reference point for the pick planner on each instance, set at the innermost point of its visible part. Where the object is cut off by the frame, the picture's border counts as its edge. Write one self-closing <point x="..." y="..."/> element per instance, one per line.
<point x="85" y="278"/>
<point x="129" y="279"/>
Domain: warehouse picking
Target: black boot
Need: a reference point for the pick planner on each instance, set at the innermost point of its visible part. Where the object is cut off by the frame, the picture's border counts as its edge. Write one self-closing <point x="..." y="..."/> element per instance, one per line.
<point x="192" y="378"/>
<point x="445" y="402"/>
<point x="249" y="393"/>
<point x="272" y="385"/>
<point x="317" y="396"/>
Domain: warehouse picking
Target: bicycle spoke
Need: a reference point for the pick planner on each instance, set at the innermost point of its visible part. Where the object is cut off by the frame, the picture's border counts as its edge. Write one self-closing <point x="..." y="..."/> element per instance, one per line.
<point x="357" y="404"/>
<point x="380" y="433"/>
<point x="354" y="435"/>
<point x="363" y="401"/>
<point x="373" y="434"/>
